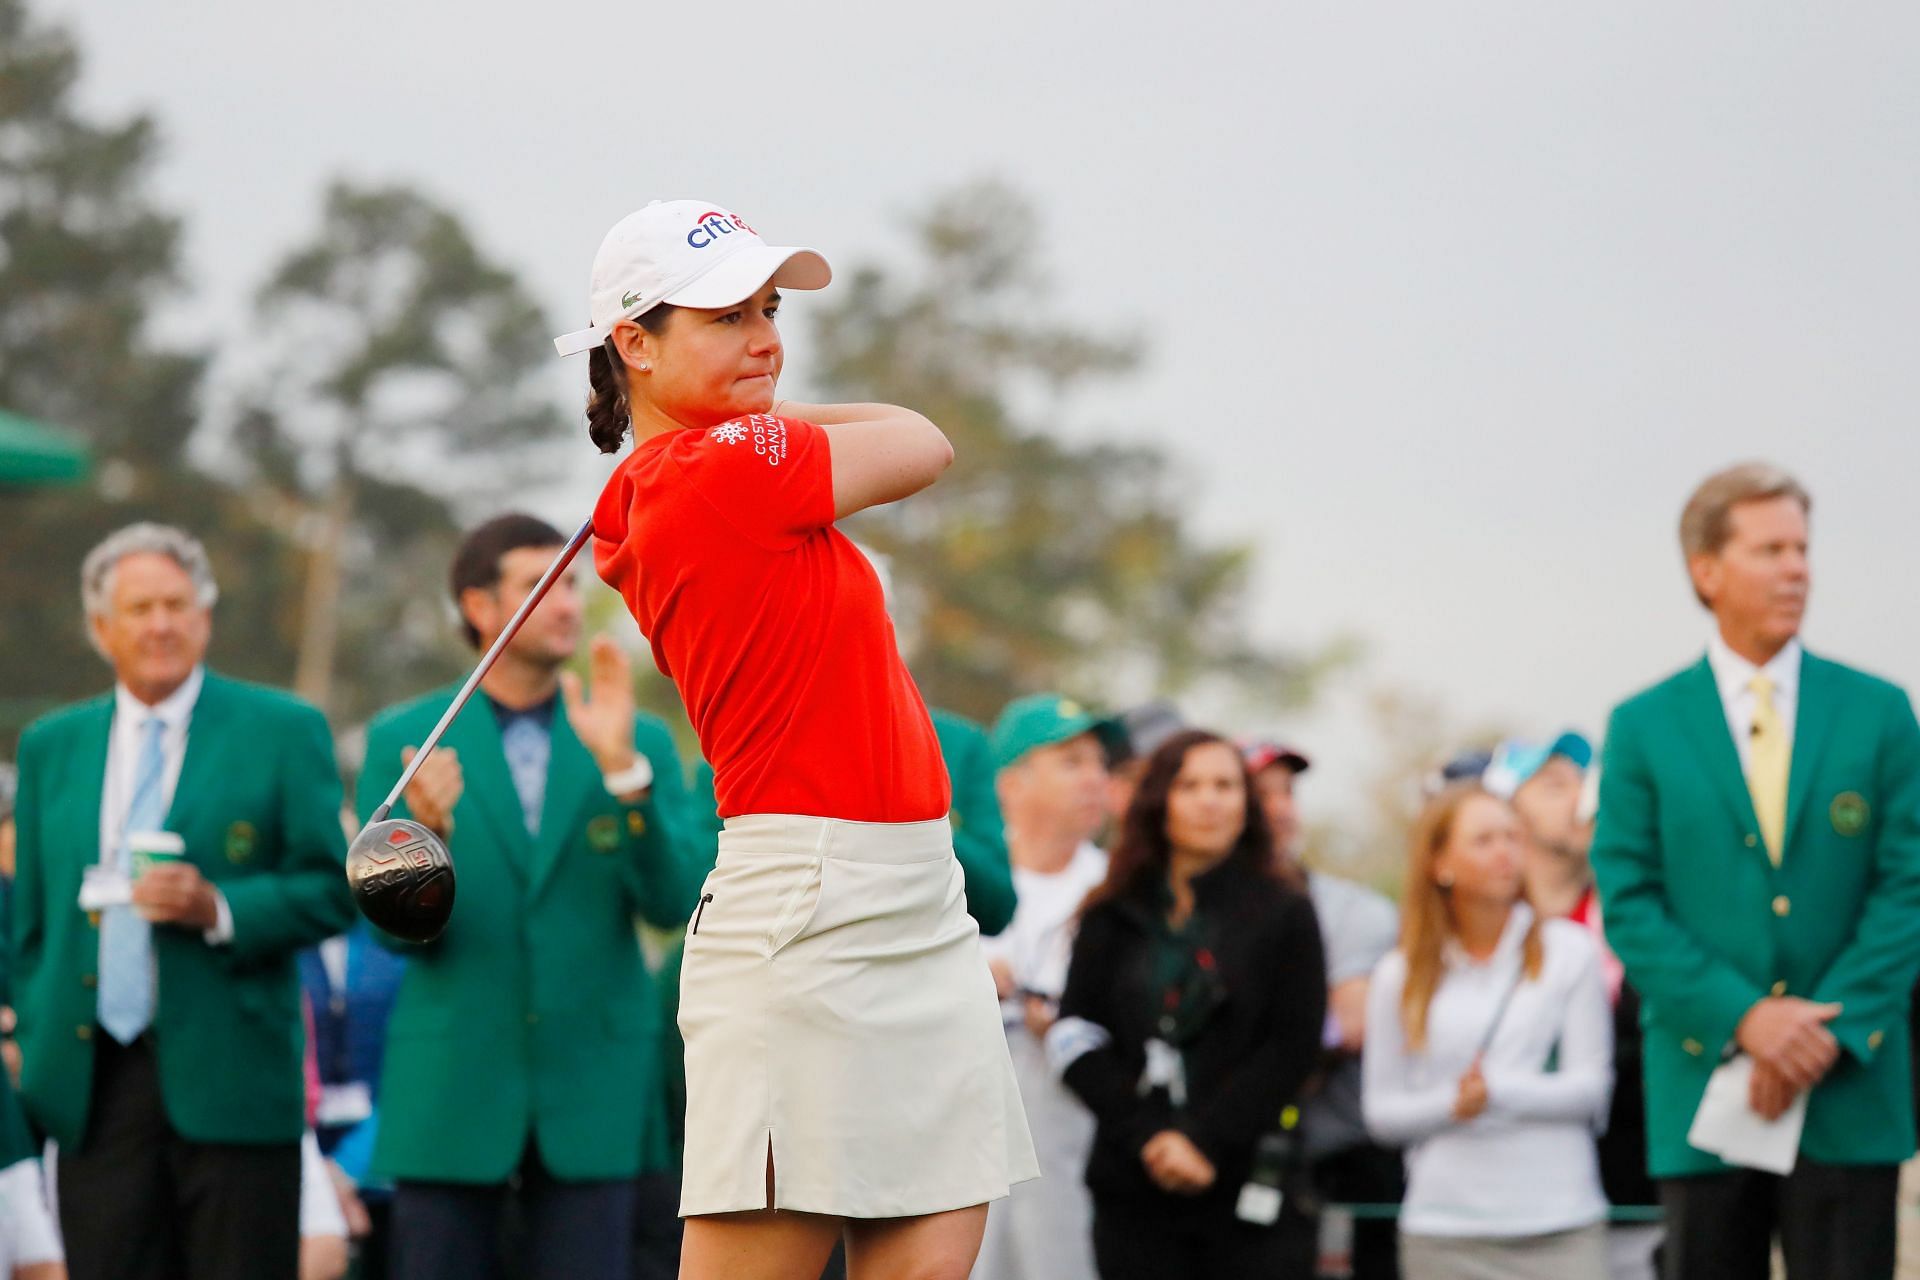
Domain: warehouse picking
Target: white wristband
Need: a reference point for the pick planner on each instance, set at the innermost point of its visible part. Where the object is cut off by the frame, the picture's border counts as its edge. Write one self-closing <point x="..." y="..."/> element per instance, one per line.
<point x="637" y="776"/>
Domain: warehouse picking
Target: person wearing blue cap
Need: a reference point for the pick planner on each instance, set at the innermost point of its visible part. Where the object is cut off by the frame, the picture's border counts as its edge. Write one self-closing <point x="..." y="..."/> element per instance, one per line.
<point x="1551" y="788"/>
<point x="1543" y="782"/>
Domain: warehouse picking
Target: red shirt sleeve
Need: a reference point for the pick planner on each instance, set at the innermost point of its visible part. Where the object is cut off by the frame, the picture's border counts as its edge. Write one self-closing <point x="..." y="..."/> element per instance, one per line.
<point x="770" y="478"/>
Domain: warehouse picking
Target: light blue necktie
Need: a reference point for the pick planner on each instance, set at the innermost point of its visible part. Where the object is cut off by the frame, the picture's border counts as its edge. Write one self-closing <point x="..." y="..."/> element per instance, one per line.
<point x="126" y="939"/>
<point x="528" y="746"/>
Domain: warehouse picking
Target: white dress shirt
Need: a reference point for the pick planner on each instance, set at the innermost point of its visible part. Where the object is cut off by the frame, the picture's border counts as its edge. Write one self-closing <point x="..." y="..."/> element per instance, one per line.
<point x="130" y="716"/>
<point x="1527" y="1165"/>
<point x="1733" y="675"/>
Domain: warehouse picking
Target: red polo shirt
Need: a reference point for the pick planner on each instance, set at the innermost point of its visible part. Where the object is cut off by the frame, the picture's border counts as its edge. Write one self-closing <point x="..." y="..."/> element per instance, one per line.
<point x="770" y="623"/>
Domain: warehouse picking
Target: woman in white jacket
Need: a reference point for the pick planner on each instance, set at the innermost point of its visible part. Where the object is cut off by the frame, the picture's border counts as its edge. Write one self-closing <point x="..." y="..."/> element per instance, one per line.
<point x="1489" y="1057"/>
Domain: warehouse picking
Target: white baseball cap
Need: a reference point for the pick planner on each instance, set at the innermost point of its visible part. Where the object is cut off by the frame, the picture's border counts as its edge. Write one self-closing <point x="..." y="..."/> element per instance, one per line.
<point x="687" y="252"/>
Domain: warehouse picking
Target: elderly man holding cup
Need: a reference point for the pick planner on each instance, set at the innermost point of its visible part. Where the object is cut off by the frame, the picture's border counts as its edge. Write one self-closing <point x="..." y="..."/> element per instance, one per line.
<point x="179" y="841"/>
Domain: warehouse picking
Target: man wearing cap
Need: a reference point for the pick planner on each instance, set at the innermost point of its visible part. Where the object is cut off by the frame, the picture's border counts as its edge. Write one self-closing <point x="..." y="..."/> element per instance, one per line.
<point x="1550" y="786"/>
<point x="1758" y="854"/>
<point x="1052" y="757"/>
<point x="1357" y="928"/>
<point x="1543" y="781"/>
<point x="179" y="843"/>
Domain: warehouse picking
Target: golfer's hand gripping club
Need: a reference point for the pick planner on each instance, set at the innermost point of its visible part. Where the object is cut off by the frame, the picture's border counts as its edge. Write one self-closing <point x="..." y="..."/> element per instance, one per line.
<point x="400" y="871"/>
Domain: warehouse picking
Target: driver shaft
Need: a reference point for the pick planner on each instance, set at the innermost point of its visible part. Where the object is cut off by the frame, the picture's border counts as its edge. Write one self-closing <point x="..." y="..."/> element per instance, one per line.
<point x="532" y="602"/>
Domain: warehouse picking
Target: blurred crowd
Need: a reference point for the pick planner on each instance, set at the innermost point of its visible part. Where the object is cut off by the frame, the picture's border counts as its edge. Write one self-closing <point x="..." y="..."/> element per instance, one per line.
<point x="1630" y="1012"/>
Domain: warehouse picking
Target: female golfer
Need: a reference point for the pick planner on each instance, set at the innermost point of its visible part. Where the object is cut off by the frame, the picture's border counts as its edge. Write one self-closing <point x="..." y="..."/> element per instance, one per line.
<point x="845" y="1063"/>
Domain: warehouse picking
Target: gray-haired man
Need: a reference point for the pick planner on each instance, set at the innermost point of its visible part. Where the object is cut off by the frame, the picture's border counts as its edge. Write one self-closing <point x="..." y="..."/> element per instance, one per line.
<point x="159" y="1013"/>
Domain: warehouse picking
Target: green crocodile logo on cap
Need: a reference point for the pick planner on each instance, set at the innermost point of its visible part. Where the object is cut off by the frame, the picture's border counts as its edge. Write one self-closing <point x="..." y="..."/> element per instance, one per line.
<point x="629" y="299"/>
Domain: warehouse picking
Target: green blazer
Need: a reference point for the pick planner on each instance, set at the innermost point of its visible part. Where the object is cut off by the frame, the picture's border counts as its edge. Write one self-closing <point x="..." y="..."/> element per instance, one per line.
<point x="258" y="805"/>
<point x="534" y="1013"/>
<point x="1706" y="925"/>
<point x="979" y="839"/>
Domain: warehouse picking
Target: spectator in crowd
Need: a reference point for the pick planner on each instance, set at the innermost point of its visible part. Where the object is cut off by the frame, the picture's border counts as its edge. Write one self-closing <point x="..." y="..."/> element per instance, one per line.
<point x="350" y="983"/>
<point x="1191" y="1018"/>
<point x="159" y="1013"/>
<point x="1549" y="785"/>
<point x="1758" y="854"/>
<point x="979" y="836"/>
<point x="1138" y="733"/>
<point x="520" y="1056"/>
<point x="1544" y="783"/>
<point x="1357" y="928"/>
<point x="1489" y="1057"/>
<point x="1052" y="757"/>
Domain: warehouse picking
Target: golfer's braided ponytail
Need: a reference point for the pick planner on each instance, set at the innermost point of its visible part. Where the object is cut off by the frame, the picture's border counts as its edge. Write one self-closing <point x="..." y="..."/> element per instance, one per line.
<point x="607" y="414"/>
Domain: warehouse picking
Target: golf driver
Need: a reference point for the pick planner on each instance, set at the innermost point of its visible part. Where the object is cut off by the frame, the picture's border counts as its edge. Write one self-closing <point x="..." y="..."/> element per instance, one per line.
<point x="400" y="871"/>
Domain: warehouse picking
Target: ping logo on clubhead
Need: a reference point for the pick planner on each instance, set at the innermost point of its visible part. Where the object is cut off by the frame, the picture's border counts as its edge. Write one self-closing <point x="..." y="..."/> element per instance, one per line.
<point x="403" y="880"/>
<point x="408" y="853"/>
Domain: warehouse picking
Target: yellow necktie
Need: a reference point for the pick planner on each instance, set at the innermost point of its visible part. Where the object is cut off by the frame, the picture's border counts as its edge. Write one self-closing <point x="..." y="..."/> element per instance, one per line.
<point x="1768" y="759"/>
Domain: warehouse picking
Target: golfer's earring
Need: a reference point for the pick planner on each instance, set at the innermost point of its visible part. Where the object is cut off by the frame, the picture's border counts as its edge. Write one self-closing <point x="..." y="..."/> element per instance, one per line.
<point x="1444" y="880"/>
<point x="643" y="366"/>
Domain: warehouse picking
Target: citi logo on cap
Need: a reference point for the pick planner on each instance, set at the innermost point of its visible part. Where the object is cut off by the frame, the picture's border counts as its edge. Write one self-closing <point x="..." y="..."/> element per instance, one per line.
<point x="659" y="254"/>
<point x="713" y="224"/>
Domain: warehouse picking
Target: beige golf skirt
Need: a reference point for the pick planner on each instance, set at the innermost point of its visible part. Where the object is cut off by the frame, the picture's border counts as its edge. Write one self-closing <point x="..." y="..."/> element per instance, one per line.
<point x="839" y="1016"/>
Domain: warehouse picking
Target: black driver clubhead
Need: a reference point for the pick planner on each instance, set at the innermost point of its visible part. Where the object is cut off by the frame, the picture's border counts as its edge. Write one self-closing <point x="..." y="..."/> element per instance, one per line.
<point x="402" y="879"/>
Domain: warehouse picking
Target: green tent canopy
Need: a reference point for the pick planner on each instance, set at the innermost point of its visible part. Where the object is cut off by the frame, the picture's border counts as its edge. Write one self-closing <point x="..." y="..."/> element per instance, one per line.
<point x="32" y="453"/>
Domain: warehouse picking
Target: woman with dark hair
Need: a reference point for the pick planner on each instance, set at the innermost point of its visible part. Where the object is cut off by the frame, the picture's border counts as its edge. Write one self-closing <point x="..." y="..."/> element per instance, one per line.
<point x="1489" y="1056"/>
<point x="1192" y="1014"/>
<point x="846" y="1072"/>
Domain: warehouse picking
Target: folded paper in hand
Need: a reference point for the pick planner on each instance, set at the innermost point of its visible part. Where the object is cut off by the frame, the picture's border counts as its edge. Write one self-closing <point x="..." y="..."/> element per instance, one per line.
<point x="103" y="887"/>
<point x="1726" y="1125"/>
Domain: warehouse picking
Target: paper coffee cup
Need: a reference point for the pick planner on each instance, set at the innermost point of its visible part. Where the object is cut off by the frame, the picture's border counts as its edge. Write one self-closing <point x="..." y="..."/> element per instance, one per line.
<point x="149" y="848"/>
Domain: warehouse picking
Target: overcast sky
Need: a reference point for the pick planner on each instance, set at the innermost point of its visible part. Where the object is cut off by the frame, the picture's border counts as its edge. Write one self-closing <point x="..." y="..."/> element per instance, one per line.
<point x="1446" y="306"/>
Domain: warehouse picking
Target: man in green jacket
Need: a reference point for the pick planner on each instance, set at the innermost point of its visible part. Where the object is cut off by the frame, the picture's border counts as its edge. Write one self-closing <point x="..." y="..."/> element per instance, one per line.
<point x="522" y="1049"/>
<point x="1758" y="856"/>
<point x="979" y="836"/>
<point x="159" y="1007"/>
